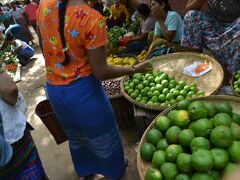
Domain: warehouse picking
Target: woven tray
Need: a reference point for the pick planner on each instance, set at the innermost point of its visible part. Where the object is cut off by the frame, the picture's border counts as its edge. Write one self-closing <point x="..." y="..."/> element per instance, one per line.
<point x="173" y="65"/>
<point x="233" y="101"/>
<point x="232" y="81"/>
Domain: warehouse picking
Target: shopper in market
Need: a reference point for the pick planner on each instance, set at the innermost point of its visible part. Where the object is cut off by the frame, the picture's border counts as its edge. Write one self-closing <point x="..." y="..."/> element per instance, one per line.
<point x="6" y="18"/>
<point x="136" y="44"/>
<point x="21" y="49"/>
<point x="19" y="158"/>
<point x="30" y="9"/>
<point x="217" y="30"/>
<point x="75" y="65"/>
<point x="17" y="14"/>
<point x="118" y="15"/>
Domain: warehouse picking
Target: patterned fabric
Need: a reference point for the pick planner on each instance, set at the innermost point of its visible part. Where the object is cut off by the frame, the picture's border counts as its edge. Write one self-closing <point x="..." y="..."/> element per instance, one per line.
<point x="85" y="29"/>
<point x="25" y="163"/>
<point x="222" y="39"/>
<point x="225" y="10"/>
<point x="90" y="125"/>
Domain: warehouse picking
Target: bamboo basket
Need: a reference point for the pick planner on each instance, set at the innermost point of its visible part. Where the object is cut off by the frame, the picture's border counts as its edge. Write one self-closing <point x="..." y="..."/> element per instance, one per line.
<point x="173" y="64"/>
<point x="232" y="81"/>
<point x="233" y="101"/>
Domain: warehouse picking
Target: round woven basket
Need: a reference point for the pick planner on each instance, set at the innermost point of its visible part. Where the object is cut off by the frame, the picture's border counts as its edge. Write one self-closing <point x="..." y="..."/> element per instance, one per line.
<point x="173" y="64"/>
<point x="232" y="81"/>
<point x="143" y="165"/>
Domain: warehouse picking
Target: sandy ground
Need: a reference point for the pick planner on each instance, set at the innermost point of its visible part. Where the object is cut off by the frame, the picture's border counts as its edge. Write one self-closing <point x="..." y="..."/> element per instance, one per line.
<point x="56" y="158"/>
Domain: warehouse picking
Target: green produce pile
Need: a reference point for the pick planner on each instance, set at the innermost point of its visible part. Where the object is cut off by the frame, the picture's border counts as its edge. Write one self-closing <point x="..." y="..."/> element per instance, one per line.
<point x="6" y="57"/>
<point x="117" y="32"/>
<point x="236" y="82"/>
<point x="198" y="141"/>
<point x="159" y="89"/>
<point x="114" y="34"/>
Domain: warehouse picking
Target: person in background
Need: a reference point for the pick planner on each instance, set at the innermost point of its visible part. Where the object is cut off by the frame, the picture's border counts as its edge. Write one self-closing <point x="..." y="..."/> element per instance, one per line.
<point x="6" y="19"/>
<point x="22" y="50"/>
<point x="30" y="9"/>
<point x="118" y="15"/>
<point x="17" y="31"/>
<point x="19" y="158"/>
<point x="137" y="43"/>
<point x="169" y="25"/>
<point x="216" y="30"/>
<point x="75" y="65"/>
<point x="98" y="6"/>
<point x="4" y="8"/>
<point x="17" y="14"/>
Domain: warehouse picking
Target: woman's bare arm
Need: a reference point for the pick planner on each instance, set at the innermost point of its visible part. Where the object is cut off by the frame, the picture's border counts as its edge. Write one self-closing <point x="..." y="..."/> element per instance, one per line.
<point x="195" y="4"/>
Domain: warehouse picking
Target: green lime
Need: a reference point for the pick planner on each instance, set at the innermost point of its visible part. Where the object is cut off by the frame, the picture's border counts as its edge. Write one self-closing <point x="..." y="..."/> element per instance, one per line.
<point x="165" y="91"/>
<point x="172" y="116"/>
<point x="202" y="176"/>
<point x="197" y="110"/>
<point x="202" y="160"/>
<point x="169" y="96"/>
<point x="236" y="118"/>
<point x="176" y="93"/>
<point x="185" y="137"/>
<point x="220" y="157"/>
<point x="200" y="143"/>
<point x="172" y="134"/>
<point x="178" y="87"/>
<point x="163" y="124"/>
<point x="159" y="87"/>
<point x="221" y="136"/>
<point x="165" y="83"/>
<point x="146" y="151"/>
<point x="183" y="93"/>
<point x="184" y="162"/>
<point x="173" y="101"/>
<point x="153" y="174"/>
<point x="235" y="128"/>
<point x="180" y="98"/>
<point x="162" y="144"/>
<point x="162" y="98"/>
<point x="152" y="84"/>
<point x="159" y="158"/>
<point x="187" y="88"/>
<point x="222" y="119"/>
<point x="183" y="105"/>
<point x="153" y="136"/>
<point x="149" y="94"/>
<point x="173" y="151"/>
<point x="182" y="83"/>
<point x="224" y="107"/>
<point x="181" y="118"/>
<point x="190" y="93"/>
<point x="202" y="127"/>
<point x="211" y="109"/>
<point x="182" y="177"/>
<point x="234" y="151"/>
<point x="169" y="170"/>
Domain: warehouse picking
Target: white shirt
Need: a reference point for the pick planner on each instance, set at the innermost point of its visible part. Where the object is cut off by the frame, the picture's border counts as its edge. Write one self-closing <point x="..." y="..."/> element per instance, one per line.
<point x="13" y="120"/>
<point x="16" y="14"/>
<point x="18" y="44"/>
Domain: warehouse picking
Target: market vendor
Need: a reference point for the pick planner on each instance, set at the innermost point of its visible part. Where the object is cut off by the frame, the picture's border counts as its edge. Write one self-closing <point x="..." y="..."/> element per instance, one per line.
<point x="20" y="48"/>
<point x="217" y="31"/>
<point x="118" y="15"/>
<point x="137" y="43"/>
<point x="169" y="23"/>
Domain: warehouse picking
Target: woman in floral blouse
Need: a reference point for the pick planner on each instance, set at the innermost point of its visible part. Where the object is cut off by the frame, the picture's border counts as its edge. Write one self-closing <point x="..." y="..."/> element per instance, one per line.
<point x="72" y="40"/>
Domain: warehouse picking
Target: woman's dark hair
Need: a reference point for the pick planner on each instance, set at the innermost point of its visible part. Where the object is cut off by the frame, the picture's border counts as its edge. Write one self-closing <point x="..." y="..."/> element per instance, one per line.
<point x="143" y="9"/>
<point x="167" y="6"/>
<point x="27" y="1"/>
<point x="61" y="15"/>
<point x="9" y="37"/>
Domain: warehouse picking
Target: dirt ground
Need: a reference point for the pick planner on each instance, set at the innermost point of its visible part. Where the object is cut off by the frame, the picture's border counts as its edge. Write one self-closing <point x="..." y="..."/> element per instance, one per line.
<point x="56" y="158"/>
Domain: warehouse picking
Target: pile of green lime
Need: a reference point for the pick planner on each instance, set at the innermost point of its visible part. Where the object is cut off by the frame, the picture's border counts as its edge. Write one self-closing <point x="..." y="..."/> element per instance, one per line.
<point x="159" y="89"/>
<point x="236" y="82"/>
<point x="198" y="141"/>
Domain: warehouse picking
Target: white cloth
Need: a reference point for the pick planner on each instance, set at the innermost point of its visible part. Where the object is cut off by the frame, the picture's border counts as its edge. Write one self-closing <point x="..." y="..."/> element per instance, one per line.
<point x="16" y="14"/>
<point x="13" y="119"/>
<point x="18" y="44"/>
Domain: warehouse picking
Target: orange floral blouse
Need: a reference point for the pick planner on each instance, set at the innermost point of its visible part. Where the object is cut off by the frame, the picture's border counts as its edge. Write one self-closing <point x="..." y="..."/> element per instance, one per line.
<point x="84" y="29"/>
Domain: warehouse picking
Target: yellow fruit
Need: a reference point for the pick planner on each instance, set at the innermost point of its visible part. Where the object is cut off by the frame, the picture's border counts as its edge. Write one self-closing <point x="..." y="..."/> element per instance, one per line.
<point x="143" y="52"/>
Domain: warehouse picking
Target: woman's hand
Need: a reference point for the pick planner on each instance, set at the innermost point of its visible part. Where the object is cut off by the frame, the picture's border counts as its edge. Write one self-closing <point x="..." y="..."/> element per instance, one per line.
<point x="143" y="67"/>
